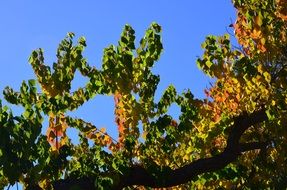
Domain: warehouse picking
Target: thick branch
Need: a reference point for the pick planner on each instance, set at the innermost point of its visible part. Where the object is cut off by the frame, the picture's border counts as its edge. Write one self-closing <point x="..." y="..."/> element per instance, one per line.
<point x="138" y="175"/>
<point x="83" y="183"/>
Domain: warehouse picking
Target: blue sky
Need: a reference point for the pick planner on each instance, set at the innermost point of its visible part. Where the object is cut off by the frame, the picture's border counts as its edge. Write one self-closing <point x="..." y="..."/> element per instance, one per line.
<point x="28" y="25"/>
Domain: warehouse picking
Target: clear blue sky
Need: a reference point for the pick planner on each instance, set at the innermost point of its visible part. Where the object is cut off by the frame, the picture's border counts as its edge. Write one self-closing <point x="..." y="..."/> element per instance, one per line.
<point x="27" y="25"/>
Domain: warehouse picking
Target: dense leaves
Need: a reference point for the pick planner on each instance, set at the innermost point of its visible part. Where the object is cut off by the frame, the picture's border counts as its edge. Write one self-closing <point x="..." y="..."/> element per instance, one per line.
<point x="235" y="138"/>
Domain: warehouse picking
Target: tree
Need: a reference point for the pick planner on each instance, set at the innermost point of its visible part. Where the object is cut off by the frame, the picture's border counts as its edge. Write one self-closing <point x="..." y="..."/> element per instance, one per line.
<point x="234" y="138"/>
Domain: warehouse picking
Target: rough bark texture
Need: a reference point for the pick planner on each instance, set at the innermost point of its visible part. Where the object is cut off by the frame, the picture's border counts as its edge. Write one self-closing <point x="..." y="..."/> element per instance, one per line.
<point x="140" y="176"/>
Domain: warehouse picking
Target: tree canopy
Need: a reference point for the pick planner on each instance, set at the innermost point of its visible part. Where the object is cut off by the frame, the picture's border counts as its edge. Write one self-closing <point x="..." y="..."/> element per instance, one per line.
<point x="235" y="138"/>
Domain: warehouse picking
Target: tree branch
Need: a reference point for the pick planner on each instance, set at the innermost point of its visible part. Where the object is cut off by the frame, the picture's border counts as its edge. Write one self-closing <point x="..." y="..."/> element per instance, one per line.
<point x="83" y="183"/>
<point x="138" y="175"/>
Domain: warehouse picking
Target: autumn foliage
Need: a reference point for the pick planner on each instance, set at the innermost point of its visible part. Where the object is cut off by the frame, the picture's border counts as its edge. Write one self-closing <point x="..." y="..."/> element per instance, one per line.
<point x="235" y="138"/>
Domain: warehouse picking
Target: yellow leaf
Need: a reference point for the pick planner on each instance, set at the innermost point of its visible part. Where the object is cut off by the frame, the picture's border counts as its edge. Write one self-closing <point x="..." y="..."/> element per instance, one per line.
<point x="103" y="130"/>
<point x="256" y="33"/>
<point x="260" y="69"/>
<point x="144" y="135"/>
<point x="186" y="157"/>
<point x="189" y="150"/>
<point x="258" y="20"/>
<point x="267" y="76"/>
<point x="64" y="140"/>
<point x="107" y="139"/>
